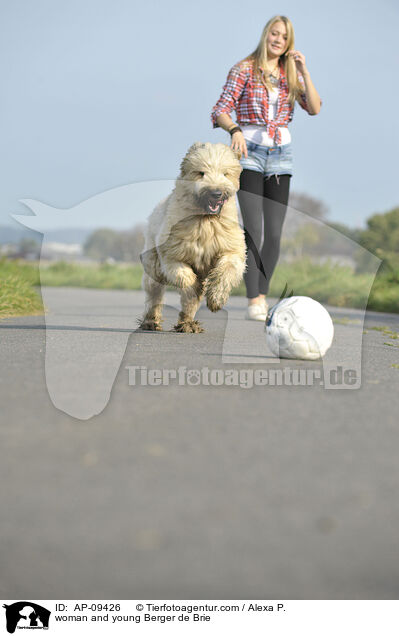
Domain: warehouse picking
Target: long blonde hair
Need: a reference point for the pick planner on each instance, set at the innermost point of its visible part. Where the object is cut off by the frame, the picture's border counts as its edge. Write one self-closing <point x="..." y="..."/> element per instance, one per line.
<point x="259" y="57"/>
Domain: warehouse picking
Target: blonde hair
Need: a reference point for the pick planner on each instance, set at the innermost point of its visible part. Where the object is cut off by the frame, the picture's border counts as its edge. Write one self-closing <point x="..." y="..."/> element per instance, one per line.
<point x="259" y="57"/>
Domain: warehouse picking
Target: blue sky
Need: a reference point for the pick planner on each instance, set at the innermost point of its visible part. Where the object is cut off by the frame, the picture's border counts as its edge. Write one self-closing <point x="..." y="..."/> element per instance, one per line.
<point x="99" y="94"/>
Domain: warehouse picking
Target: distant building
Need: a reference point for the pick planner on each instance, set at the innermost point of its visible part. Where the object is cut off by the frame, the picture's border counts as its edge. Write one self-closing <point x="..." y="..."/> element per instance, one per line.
<point x="57" y="251"/>
<point x="50" y="251"/>
<point x="8" y="249"/>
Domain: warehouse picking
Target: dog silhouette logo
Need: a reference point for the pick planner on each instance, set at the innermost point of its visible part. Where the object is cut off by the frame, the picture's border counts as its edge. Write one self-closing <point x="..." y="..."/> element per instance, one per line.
<point x="26" y="615"/>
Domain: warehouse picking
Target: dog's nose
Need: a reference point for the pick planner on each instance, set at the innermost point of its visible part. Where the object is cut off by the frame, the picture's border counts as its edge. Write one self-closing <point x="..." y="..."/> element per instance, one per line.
<point x="215" y="194"/>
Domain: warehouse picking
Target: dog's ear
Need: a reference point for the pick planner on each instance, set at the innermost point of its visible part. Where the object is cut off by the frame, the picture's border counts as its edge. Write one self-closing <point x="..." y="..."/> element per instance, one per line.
<point x="193" y="148"/>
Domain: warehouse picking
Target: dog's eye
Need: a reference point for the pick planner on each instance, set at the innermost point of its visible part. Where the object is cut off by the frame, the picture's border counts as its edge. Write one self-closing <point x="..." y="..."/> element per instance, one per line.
<point x="201" y="174"/>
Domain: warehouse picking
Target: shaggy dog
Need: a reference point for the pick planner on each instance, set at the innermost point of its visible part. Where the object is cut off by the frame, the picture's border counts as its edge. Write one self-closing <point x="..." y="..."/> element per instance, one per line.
<point x="193" y="240"/>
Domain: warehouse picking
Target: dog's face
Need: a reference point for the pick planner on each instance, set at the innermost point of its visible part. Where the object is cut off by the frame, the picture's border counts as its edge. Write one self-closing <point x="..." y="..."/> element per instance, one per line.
<point x="210" y="175"/>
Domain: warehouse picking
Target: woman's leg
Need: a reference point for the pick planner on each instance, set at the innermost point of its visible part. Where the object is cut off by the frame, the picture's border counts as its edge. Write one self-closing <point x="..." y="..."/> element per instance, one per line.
<point x="275" y="199"/>
<point x="250" y="197"/>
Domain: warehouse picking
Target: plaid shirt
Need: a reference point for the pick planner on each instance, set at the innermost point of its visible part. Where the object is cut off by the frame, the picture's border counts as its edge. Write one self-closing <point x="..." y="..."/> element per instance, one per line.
<point x="249" y="98"/>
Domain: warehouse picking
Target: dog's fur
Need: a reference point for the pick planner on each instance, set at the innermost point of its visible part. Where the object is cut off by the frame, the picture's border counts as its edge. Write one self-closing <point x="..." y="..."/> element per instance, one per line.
<point x="193" y="239"/>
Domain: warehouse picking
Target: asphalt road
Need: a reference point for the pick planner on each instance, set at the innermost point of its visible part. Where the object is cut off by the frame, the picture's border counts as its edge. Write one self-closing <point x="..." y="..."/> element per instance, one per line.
<point x="113" y="490"/>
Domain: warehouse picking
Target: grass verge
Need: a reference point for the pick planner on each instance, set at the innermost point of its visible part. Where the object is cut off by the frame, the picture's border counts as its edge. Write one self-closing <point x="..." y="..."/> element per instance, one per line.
<point x="18" y="297"/>
<point x="327" y="283"/>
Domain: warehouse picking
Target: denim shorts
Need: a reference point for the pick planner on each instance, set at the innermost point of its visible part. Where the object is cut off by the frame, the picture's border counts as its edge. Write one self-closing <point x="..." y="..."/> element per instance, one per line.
<point x="268" y="160"/>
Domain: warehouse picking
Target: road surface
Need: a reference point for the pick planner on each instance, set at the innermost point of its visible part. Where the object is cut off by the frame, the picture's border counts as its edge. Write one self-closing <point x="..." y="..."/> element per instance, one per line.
<point x="192" y="491"/>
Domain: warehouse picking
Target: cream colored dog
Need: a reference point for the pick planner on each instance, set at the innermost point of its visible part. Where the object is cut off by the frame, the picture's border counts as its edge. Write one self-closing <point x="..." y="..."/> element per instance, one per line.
<point x="193" y="239"/>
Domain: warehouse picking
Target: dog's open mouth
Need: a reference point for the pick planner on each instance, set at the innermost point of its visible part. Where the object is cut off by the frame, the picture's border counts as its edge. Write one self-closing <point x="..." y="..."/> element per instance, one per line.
<point x="211" y="201"/>
<point x="214" y="207"/>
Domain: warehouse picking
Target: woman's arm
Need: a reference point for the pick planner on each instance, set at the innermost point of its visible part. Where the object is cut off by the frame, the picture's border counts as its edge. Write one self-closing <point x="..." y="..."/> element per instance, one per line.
<point x="312" y="96"/>
<point x="313" y="100"/>
<point x="237" y="140"/>
<point x="225" y="121"/>
<point x="231" y="93"/>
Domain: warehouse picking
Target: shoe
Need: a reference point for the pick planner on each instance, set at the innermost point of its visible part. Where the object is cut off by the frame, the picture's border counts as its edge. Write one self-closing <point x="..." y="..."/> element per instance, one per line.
<point x="265" y="306"/>
<point x="256" y="312"/>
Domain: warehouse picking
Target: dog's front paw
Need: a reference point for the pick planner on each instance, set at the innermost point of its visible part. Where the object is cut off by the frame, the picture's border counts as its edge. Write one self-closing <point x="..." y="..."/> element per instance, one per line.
<point x="216" y="299"/>
<point x="189" y="326"/>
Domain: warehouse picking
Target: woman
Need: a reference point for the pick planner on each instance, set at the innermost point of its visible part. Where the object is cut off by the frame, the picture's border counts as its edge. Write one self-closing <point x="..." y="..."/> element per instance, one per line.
<point x="262" y="89"/>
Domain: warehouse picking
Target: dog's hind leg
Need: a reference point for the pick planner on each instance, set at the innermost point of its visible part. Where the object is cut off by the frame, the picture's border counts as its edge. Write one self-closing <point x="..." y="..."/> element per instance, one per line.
<point x="154" y="292"/>
<point x="190" y="301"/>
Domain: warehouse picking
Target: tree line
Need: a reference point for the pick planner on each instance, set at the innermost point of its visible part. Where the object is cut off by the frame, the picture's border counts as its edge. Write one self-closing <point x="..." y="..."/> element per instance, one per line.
<point x="303" y="236"/>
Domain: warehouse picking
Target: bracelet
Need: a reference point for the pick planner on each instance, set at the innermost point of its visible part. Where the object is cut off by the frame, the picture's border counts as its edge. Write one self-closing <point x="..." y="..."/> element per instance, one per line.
<point x="234" y="129"/>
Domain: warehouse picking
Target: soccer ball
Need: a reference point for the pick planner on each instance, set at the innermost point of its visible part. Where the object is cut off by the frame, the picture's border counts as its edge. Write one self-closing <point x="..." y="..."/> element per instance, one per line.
<point x="299" y="327"/>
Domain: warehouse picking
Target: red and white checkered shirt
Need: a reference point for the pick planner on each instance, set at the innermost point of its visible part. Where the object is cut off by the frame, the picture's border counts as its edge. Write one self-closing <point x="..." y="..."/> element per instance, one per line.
<point x="247" y="95"/>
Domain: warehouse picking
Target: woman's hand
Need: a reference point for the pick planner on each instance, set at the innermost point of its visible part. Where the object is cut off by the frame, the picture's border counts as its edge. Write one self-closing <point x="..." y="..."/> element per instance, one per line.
<point x="238" y="143"/>
<point x="299" y="60"/>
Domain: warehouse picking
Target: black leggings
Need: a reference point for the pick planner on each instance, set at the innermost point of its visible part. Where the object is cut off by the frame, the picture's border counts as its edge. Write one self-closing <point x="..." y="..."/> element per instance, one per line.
<point x="262" y="199"/>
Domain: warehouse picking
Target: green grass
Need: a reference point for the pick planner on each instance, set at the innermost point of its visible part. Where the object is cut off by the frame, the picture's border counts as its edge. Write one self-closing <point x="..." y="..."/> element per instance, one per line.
<point x="97" y="276"/>
<point x="327" y="283"/>
<point x="387" y="332"/>
<point x="18" y="298"/>
<point x="333" y="285"/>
<point x="26" y="271"/>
